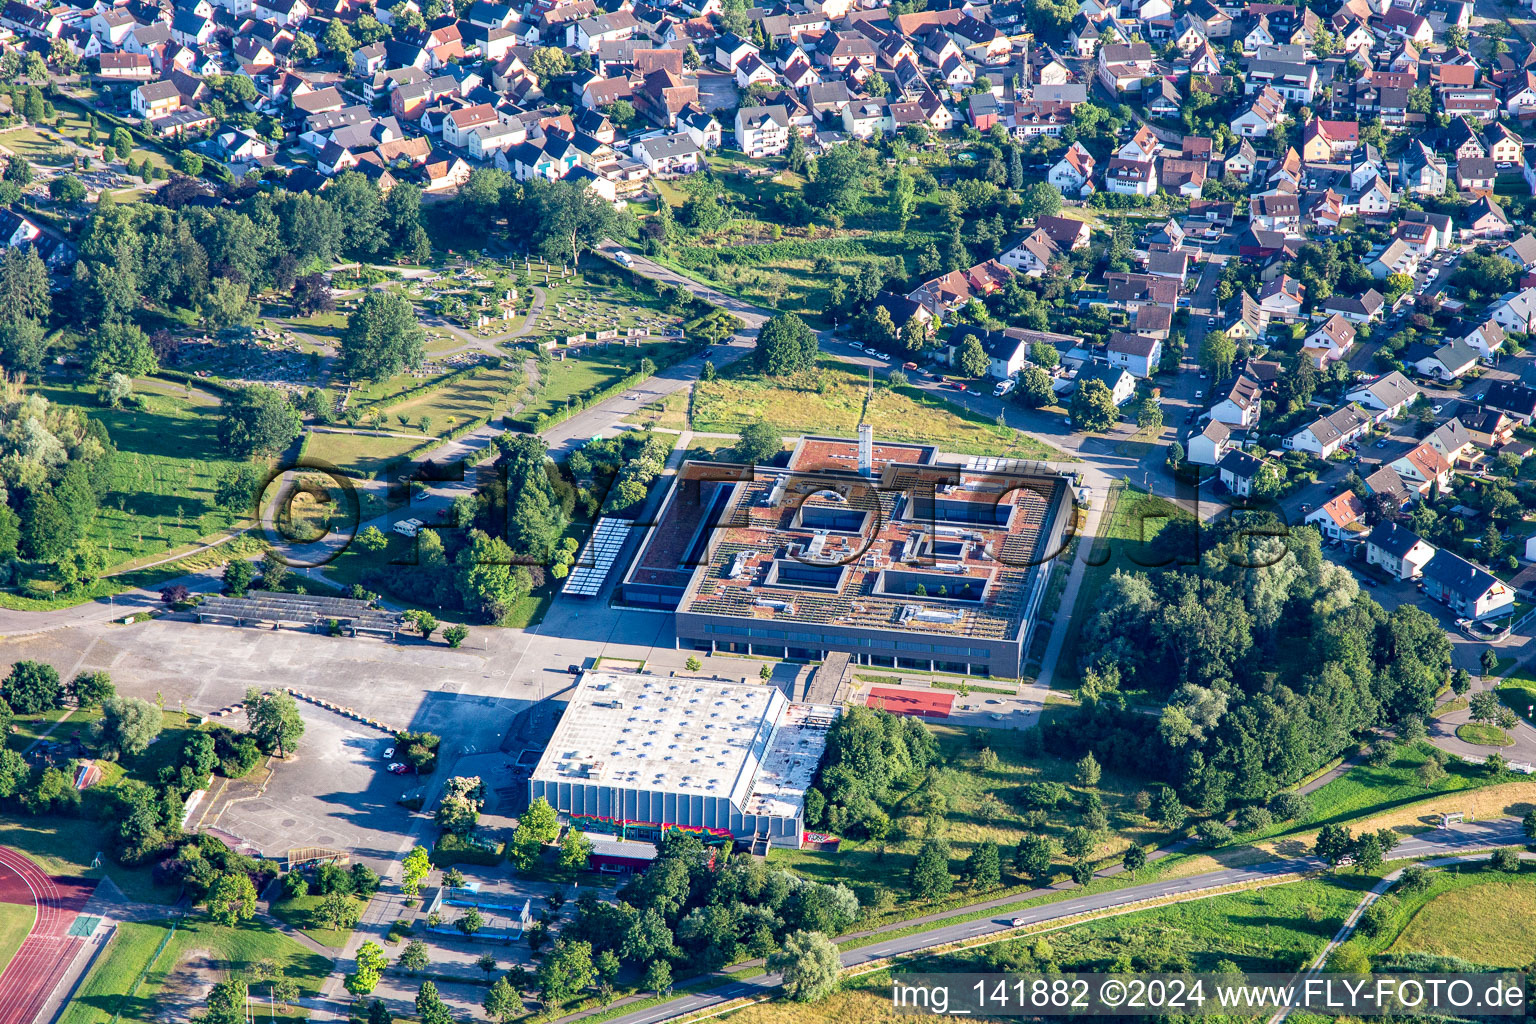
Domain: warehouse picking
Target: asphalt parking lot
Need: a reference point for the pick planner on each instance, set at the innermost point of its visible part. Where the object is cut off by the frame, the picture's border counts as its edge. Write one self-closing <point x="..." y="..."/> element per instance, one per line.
<point x="335" y="793"/>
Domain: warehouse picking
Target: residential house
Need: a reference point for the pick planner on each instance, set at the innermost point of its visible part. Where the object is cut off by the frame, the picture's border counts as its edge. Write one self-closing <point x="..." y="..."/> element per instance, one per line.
<point x="1340" y="518"/>
<point x="1470" y="591"/>
<point x="1423" y="467"/>
<point x="1330" y="341"/>
<point x="1210" y="444"/>
<point x="1386" y="396"/>
<point x="1512" y="398"/>
<point x="1135" y="353"/>
<point x="1327" y="434"/>
<point x="762" y="131"/>
<point x="1238" y="402"/>
<point x="668" y="156"/>
<point x="1122" y="386"/>
<point x="1398" y="551"/>
<point x="1446" y="362"/>
<point x="1239" y="471"/>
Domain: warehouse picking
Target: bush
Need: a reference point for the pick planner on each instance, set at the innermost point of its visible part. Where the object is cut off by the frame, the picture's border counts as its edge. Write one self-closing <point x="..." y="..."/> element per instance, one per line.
<point x="1214" y="833"/>
<point x="1254" y="819"/>
<point x="295" y="884"/>
<point x="453" y="849"/>
<point x="1289" y="806"/>
<point x="419" y="749"/>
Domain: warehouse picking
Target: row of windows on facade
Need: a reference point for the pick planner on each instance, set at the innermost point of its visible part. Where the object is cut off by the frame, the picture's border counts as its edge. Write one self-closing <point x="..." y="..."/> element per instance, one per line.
<point x="852" y="641"/>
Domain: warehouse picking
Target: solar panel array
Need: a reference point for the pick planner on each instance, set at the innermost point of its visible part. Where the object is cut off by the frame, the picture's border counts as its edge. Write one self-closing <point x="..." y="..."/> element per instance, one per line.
<point x="596" y="559"/>
<point x="308" y="608"/>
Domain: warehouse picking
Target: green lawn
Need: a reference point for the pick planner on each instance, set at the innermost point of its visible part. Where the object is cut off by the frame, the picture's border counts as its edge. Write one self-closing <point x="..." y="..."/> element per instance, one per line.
<point x="1366" y="791"/>
<point x="362" y="454"/>
<point x="1484" y="735"/>
<point x="160" y="485"/>
<point x="835" y="399"/>
<point x="1493" y="923"/>
<point x="1518" y="691"/>
<point x="465" y="399"/>
<point x="300" y="912"/>
<point x="106" y="991"/>
<point x="67" y="846"/>
<point x="15" y="921"/>
<point x="1271" y="929"/>
<point x="590" y="370"/>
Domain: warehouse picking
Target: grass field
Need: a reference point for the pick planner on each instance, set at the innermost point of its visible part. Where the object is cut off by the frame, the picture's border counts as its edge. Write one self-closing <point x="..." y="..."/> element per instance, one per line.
<point x="15" y="921"/>
<point x="1518" y="692"/>
<point x="670" y="413"/>
<point x="160" y="486"/>
<point x="1366" y="791"/>
<point x="976" y="807"/>
<point x="362" y="454"/>
<point x="299" y="912"/>
<point x="464" y="399"/>
<point x="835" y="399"/>
<point x="593" y="369"/>
<point x="1484" y="735"/>
<point x="217" y="950"/>
<point x="1270" y="929"/>
<point x="67" y="846"/>
<point x="1491" y="923"/>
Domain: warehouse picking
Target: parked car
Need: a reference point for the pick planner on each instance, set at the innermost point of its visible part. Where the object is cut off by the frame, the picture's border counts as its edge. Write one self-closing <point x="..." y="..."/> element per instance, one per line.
<point x="398" y="769"/>
<point x="389" y="753"/>
<point x="408" y="527"/>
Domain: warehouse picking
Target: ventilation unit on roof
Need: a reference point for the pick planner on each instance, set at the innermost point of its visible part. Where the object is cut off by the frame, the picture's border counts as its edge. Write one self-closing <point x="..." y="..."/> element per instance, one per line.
<point x="778" y="606"/>
<point x="739" y="564"/>
<point x="919" y="613"/>
<point x="777" y="490"/>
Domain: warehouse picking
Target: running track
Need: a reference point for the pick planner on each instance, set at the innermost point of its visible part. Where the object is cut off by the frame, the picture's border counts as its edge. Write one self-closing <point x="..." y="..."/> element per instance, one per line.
<point x="46" y="953"/>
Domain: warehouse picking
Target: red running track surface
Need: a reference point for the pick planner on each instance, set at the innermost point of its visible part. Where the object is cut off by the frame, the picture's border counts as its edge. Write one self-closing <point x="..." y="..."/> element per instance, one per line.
<point x="46" y="953"/>
<point x="911" y="702"/>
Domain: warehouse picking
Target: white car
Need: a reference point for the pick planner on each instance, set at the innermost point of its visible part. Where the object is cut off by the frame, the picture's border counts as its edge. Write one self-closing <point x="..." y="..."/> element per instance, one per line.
<point x="881" y="356"/>
<point x="1003" y="388"/>
<point x="623" y="258"/>
<point x="409" y="527"/>
<point x="859" y="345"/>
<point x="389" y="754"/>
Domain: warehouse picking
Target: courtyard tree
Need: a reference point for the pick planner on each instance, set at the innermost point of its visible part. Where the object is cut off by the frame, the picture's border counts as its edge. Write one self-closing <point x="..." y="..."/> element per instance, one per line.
<point x="382" y="337"/>
<point x="564" y="973"/>
<point x="127" y="727"/>
<point x="1093" y="407"/>
<point x="1217" y="354"/>
<point x="91" y="689"/>
<point x="760" y="441"/>
<point x="538" y="825"/>
<point x="31" y="687"/>
<point x="232" y="898"/>
<point x="371" y="963"/>
<point x="972" y="360"/>
<point x="273" y="719"/>
<point x="416" y="865"/>
<point x="809" y="965"/>
<point x="785" y="346"/>
<point x="501" y="1003"/>
<point x="339" y="910"/>
<point x="430" y="1008"/>
<point x="414" y="957"/>
<point x="257" y="420"/>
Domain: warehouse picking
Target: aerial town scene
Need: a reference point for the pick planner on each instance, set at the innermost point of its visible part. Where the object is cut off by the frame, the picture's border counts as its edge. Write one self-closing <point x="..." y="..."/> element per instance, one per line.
<point x="685" y="510"/>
